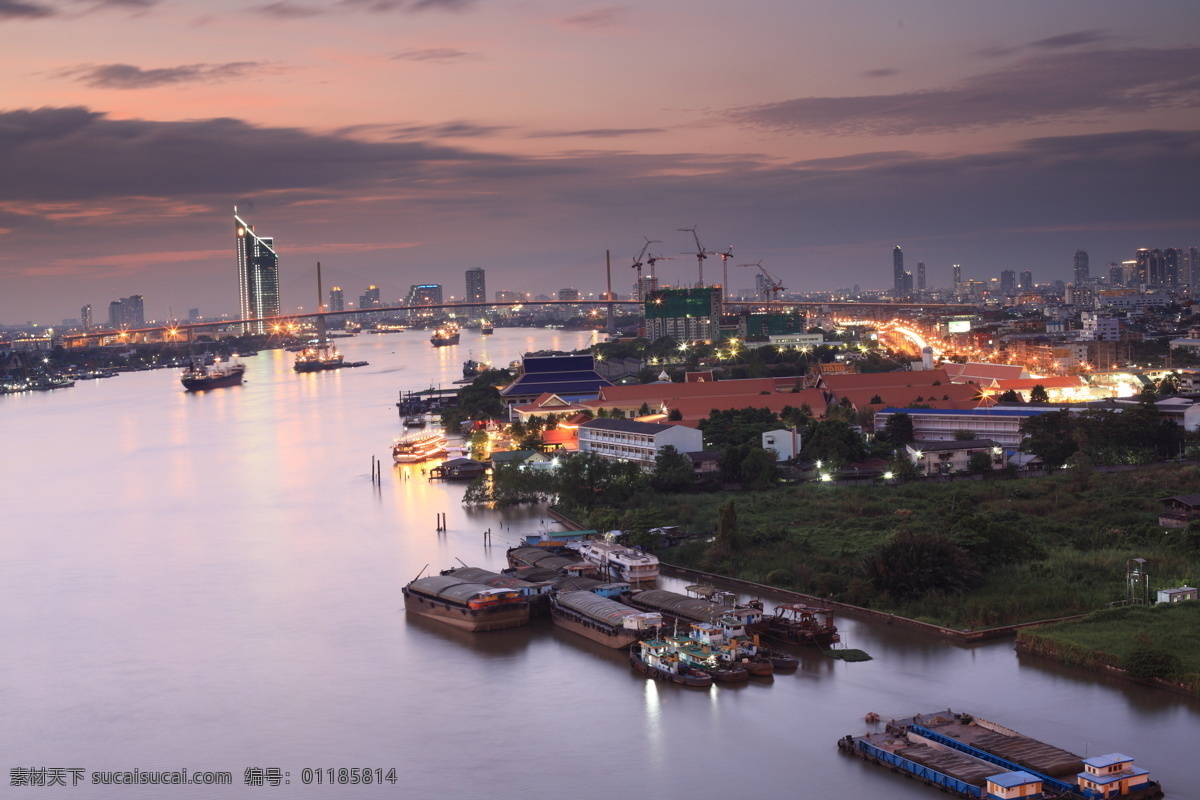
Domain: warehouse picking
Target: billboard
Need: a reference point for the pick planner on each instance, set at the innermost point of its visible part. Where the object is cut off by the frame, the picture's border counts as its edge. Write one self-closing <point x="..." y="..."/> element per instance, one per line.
<point x="959" y="326"/>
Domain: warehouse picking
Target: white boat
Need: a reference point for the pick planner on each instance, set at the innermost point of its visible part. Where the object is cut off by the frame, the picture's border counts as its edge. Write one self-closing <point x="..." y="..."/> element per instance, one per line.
<point x="619" y="562"/>
<point x="418" y="447"/>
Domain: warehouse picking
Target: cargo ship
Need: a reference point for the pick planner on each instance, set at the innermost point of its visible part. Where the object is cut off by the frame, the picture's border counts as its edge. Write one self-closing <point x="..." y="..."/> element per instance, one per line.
<point x="198" y="377"/>
<point x="975" y="758"/>
<point x="536" y="592"/>
<point x="317" y="358"/>
<point x="602" y="620"/>
<point x="466" y="605"/>
<point x="446" y="335"/>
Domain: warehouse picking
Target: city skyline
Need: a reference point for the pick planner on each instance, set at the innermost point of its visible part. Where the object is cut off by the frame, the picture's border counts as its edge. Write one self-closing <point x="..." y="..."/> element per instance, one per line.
<point x="401" y="142"/>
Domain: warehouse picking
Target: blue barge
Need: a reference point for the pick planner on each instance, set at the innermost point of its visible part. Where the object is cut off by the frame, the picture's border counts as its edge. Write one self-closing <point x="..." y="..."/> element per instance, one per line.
<point x="975" y="758"/>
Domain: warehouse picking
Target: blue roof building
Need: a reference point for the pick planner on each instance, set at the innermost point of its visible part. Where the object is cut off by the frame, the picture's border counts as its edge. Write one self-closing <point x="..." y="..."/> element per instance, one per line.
<point x="573" y="378"/>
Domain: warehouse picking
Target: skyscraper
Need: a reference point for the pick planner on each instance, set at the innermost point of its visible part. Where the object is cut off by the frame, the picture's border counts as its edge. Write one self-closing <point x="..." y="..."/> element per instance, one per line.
<point x="370" y="298"/>
<point x="898" y="272"/>
<point x="1026" y="281"/>
<point x="476" y="286"/>
<point x="258" y="276"/>
<point x="1194" y="268"/>
<point x="337" y="299"/>
<point x="1008" y="282"/>
<point x="1171" y="266"/>
<point x="957" y="275"/>
<point x="1142" y="260"/>
<point x="920" y="276"/>
<point x="85" y="317"/>
<point x="1081" y="267"/>
<point x="128" y="312"/>
<point x="1156" y="272"/>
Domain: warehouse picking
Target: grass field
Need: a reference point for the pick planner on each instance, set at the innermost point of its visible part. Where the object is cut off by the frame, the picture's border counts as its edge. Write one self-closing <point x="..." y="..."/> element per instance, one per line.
<point x="1046" y="547"/>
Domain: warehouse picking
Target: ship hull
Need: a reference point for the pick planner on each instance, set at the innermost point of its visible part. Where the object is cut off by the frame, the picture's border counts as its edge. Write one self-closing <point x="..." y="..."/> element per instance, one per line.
<point x="206" y="382"/>
<point x="496" y="618"/>
<point x="690" y="679"/>
<point x="597" y="633"/>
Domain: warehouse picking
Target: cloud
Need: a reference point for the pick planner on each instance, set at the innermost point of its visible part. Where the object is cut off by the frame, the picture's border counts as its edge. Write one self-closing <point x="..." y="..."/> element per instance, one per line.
<point x="287" y="10"/>
<point x="15" y="9"/>
<point x="439" y="55"/>
<point x="596" y="133"/>
<point x="880" y="73"/>
<point x="20" y="9"/>
<point x="127" y="76"/>
<point x="1077" y="86"/>
<point x="382" y="6"/>
<point x="605" y="17"/>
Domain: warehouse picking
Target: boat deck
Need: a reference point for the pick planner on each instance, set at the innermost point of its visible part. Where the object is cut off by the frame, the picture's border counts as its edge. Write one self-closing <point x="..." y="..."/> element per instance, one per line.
<point x="1008" y="744"/>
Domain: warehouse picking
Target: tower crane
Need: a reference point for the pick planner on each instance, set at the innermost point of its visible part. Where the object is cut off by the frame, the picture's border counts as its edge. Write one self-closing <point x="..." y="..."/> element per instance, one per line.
<point x="725" y="256"/>
<point x="700" y="253"/>
<point x="774" y="285"/>
<point x="637" y="260"/>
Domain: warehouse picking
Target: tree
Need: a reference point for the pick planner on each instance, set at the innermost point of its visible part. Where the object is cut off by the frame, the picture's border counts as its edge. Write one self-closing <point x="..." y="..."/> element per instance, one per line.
<point x="674" y="415"/>
<point x="1169" y="384"/>
<point x="913" y="565"/>
<point x="759" y="469"/>
<point x="898" y="430"/>
<point x="644" y="411"/>
<point x="723" y="552"/>
<point x="1049" y="436"/>
<point x="963" y="435"/>
<point x="833" y="441"/>
<point x="1011" y="396"/>
<point x="1038" y="394"/>
<point x="1148" y="661"/>
<point x="673" y="471"/>
<point x="979" y="463"/>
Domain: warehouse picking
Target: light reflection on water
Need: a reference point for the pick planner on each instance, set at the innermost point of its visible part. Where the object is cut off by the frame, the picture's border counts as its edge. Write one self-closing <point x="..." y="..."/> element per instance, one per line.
<point x="212" y="581"/>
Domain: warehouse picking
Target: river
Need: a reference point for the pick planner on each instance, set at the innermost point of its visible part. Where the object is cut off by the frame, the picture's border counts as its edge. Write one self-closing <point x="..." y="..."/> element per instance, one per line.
<point x="211" y="581"/>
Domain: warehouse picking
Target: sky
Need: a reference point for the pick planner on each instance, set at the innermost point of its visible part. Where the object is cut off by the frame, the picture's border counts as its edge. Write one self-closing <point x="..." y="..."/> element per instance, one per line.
<point x="405" y="141"/>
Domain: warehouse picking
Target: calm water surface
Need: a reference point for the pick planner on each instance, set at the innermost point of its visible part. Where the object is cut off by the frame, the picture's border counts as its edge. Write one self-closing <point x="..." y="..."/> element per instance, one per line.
<point x="211" y="581"/>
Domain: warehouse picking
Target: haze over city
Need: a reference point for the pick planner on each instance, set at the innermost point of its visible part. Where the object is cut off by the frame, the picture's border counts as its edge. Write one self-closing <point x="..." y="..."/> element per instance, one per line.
<point x="401" y="142"/>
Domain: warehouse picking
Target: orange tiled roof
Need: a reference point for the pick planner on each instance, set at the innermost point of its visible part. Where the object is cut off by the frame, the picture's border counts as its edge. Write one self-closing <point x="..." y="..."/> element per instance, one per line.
<point x="883" y="380"/>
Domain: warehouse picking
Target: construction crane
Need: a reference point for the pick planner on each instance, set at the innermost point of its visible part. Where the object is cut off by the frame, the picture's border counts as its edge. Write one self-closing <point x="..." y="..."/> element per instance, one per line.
<point x="774" y="285"/>
<point x="700" y="253"/>
<point x="652" y="260"/>
<point x="725" y="256"/>
<point x="637" y="260"/>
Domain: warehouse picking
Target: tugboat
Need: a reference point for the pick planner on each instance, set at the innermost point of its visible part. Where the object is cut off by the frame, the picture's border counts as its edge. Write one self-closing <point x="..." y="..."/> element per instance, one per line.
<point x="486" y="328"/>
<point x="446" y="335"/>
<point x="659" y="659"/>
<point x="198" y="377"/>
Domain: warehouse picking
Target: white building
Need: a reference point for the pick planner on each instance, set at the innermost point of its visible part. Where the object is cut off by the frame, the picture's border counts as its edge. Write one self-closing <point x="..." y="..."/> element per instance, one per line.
<point x="785" y="442"/>
<point x="640" y="442"/>
<point x="1100" y="329"/>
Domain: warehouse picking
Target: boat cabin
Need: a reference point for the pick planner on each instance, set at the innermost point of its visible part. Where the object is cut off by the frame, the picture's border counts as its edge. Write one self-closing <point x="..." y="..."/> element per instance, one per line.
<point x="708" y="634"/>
<point x="1112" y="775"/>
<point x="1013" y="784"/>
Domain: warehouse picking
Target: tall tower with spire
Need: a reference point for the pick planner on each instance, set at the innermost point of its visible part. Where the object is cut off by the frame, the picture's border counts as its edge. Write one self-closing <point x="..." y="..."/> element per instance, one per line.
<point x="258" y="276"/>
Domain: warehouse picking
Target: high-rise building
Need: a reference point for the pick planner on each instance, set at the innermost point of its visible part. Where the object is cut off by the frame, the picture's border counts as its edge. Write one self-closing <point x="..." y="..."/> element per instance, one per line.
<point x="337" y="299"/>
<point x="370" y="298"/>
<point x="1156" y="272"/>
<point x="1116" y="275"/>
<point x="85" y="317"/>
<point x="1171" y="266"/>
<point x="1081" y="267"/>
<point x="506" y="296"/>
<point x="1142" y="259"/>
<point x="897" y="271"/>
<point x="1008" y="282"/>
<point x="476" y="286"/>
<point x="686" y="315"/>
<point x="957" y="275"/>
<point x="258" y="276"/>
<point x="568" y="294"/>
<point x="1026" y="280"/>
<point x="920" y="276"/>
<point x="763" y="286"/>
<point x="1194" y="268"/>
<point x="127" y="312"/>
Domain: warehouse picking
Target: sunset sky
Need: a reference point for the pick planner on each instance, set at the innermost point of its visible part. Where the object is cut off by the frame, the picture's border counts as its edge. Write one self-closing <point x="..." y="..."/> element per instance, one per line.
<point x="404" y="141"/>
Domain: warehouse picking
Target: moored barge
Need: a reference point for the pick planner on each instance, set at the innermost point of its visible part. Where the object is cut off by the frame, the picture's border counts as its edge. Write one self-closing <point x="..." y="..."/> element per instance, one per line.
<point x="536" y="592"/>
<point x="691" y="609"/>
<point x="798" y="623"/>
<point x="974" y="758"/>
<point x="602" y="620"/>
<point x="465" y="605"/>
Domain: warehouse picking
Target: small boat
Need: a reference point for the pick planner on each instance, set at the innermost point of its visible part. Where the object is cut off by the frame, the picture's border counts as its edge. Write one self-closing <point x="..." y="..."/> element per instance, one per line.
<point x="486" y="329"/>
<point x="706" y="648"/>
<point x="317" y="358"/>
<point x="414" y="422"/>
<point x="445" y="335"/>
<point x="658" y="659"/>
<point x="472" y="368"/>
<point x="418" y="447"/>
<point x="199" y="377"/>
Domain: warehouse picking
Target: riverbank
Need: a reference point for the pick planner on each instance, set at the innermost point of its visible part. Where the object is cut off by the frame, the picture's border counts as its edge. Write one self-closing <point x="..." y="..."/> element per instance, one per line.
<point x="1030" y="550"/>
<point x="1158" y="645"/>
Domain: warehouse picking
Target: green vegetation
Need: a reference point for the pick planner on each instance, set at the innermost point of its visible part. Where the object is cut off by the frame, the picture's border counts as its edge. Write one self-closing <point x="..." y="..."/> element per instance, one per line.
<point x="849" y="654"/>
<point x="1148" y="642"/>
<point x="984" y="553"/>
<point x="1135" y="435"/>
